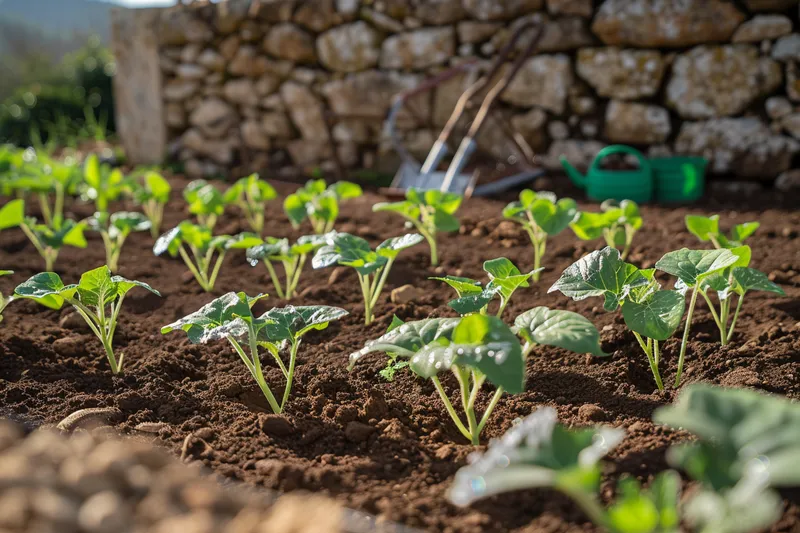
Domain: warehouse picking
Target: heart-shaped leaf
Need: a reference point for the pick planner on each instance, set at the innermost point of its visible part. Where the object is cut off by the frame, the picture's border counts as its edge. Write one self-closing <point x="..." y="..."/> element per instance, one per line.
<point x="462" y="286"/>
<point x="405" y="208"/>
<point x="563" y="329"/>
<point x="250" y="189"/>
<point x="200" y="325"/>
<point x="203" y="198"/>
<point x="589" y="226"/>
<point x="292" y="322"/>
<point x="537" y="452"/>
<point x="473" y="303"/>
<point x="601" y="273"/>
<point x="295" y="208"/>
<point x="348" y="250"/>
<point x="742" y="231"/>
<point x="407" y="339"/>
<point x="157" y="186"/>
<point x="505" y="276"/>
<point x="271" y="248"/>
<point x="390" y="248"/>
<point x="750" y="279"/>
<point x="692" y="266"/>
<point x="345" y="190"/>
<point x="702" y="227"/>
<point x="656" y="317"/>
<point x="47" y="289"/>
<point x="12" y="214"/>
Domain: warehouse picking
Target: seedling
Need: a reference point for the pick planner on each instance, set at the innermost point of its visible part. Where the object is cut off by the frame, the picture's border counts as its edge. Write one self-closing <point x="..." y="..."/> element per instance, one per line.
<point x="205" y="202"/>
<point x="4" y="301"/>
<point x="197" y="246"/>
<point x="475" y="348"/>
<point x="617" y="223"/>
<point x="42" y="176"/>
<point x="47" y="241"/>
<point x="250" y="194"/>
<point x="539" y="453"/>
<point x="103" y="184"/>
<point x="230" y="317"/>
<point x="114" y="229"/>
<point x="707" y="229"/>
<point x="318" y="203"/>
<point x="430" y="212"/>
<point x="97" y="298"/>
<point x="152" y="194"/>
<point x="735" y="280"/>
<point x="693" y="268"/>
<point x="650" y="313"/>
<point x="292" y="257"/>
<point x="372" y="266"/>
<point x="542" y="216"/>
<point x="747" y="443"/>
<point x="504" y="279"/>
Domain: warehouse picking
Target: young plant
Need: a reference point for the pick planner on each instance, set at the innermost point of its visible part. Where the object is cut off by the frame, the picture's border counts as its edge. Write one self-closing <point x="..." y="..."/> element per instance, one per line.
<point x="735" y="280"/>
<point x="292" y="257"/>
<point x="617" y="223"/>
<point x="152" y="193"/>
<point x="541" y="326"/>
<point x="250" y="194"/>
<point x="97" y="298"/>
<point x="542" y="216"/>
<point x="48" y="241"/>
<point x="504" y="279"/>
<point x="230" y="317"/>
<point x="102" y="183"/>
<point x="539" y="453"/>
<point x="650" y="313"/>
<point x="205" y="202"/>
<point x="372" y="266"/>
<point x="430" y="212"/>
<point x="475" y="348"/>
<point x="4" y="301"/>
<point x="318" y="203"/>
<point x="114" y="229"/>
<point x="747" y="443"/>
<point x="707" y="229"/>
<point x="693" y="268"/>
<point x="197" y="246"/>
<point x="43" y="177"/>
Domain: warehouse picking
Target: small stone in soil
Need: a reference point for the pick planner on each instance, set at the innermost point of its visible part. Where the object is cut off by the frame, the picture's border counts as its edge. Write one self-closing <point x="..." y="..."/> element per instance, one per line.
<point x="406" y="294"/>
<point x="592" y="412"/>
<point x="276" y="426"/>
<point x="358" y="432"/>
<point x="337" y="273"/>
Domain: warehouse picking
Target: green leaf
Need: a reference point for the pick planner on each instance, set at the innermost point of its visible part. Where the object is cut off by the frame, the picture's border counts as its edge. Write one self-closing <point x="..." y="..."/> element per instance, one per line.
<point x="390" y="248"/>
<point x="157" y="186"/>
<point x="742" y="231"/>
<point x="473" y="303"/>
<point x="124" y="285"/>
<point x="345" y="190"/>
<point x="396" y="323"/>
<point x="243" y="241"/>
<point x="12" y="214"/>
<point x="409" y="338"/>
<point x="45" y="288"/>
<point x="271" y="248"/>
<point x="169" y="241"/>
<point x="295" y="208"/>
<point x="204" y="198"/>
<point x="325" y="207"/>
<point x="447" y="202"/>
<point x="737" y="429"/>
<point x="750" y="279"/>
<point x="462" y="286"/>
<point x="563" y="329"/>
<point x="6" y="272"/>
<point x="647" y="511"/>
<point x="702" y="227"/>
<point x="202" y="325"/>
<point x="552" y="217"/>
<point x="535" y="453"/>
<point x="657" y="317"/>
<point x="96" y="288"/>
<point x="405" y="208"/>
<point x="505" y="277"/>
<point x="444" y="221"/>
<point x="348" y="250"/>
<point x="292" y="322"/>
<point x="91" y="172"/>
<point x="128" y="221"/>
<point x="590" y="226"/>
<point x="601" y="273"/>
<point x="691" y="266"/>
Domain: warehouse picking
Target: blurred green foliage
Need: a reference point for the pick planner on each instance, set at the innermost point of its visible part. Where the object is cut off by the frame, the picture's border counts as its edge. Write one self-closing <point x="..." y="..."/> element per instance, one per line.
<point x="71" y="103"/>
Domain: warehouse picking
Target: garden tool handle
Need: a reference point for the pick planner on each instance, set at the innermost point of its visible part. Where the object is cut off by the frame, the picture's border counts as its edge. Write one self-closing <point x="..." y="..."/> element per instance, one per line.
<point x="644" y="164"/>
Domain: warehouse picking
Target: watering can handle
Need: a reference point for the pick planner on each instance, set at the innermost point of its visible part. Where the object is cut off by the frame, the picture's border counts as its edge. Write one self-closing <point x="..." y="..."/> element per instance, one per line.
<point x="644" y="164"/>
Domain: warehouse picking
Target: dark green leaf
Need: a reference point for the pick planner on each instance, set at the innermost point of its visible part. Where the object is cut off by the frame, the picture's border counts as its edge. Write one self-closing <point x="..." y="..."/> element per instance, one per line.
<point x="750" y="279"/>
<point x="46" y="288"/>
<point x="292" y="322"/>
<point x="201" y="324"/>
<point x="390" y="248"/>
<point x="564" y="329"/>
<point x="691" y="266"/>
<point x="462" y="286"/>
<point x="409" y="338"/>
<point x="656" y="317"/>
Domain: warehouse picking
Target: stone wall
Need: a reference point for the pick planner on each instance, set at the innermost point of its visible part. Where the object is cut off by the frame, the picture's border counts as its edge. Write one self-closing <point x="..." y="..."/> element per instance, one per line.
<point x="248" y="84"/>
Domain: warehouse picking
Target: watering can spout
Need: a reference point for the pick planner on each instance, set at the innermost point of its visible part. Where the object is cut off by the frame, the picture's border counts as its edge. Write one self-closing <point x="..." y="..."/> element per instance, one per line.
<point x="576" y="177"/>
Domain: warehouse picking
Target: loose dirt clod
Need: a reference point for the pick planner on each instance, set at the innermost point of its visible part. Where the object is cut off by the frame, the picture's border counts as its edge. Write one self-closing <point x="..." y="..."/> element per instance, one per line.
<point x="88" y="417"/>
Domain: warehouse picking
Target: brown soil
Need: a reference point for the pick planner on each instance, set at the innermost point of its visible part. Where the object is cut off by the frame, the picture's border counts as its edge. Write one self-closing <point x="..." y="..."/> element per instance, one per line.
<point x="389" y="448"/>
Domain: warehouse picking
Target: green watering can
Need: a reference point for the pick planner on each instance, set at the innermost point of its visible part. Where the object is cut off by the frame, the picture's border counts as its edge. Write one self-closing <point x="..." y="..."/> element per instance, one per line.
<point x="665" y="179"/>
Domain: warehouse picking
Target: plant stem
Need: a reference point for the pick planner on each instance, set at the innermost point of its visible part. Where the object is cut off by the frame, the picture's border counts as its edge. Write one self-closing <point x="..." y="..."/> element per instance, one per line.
<point x="365" y="291"/>
<point x="254" y="367"/>
<point x="685" y="340"/>
<point x="290" y="376"/>
<point x="47" y="215"/>
<point x="647" y="347"/>
<point x="195" y="272"/>
<point x="295" y="277"/>
<point x="275" y="281"/>
<point x="736" y="315"/>
<point x="714" y="314"/>
<point x="450" y="410"/>
<point x="588" y="502"/>
<point x="215" y="272"/>
<point x="629" y="232"/>
<point x="488" y="412"/>
<point x="725" y="307"/>
<point x="383" y="277"/>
